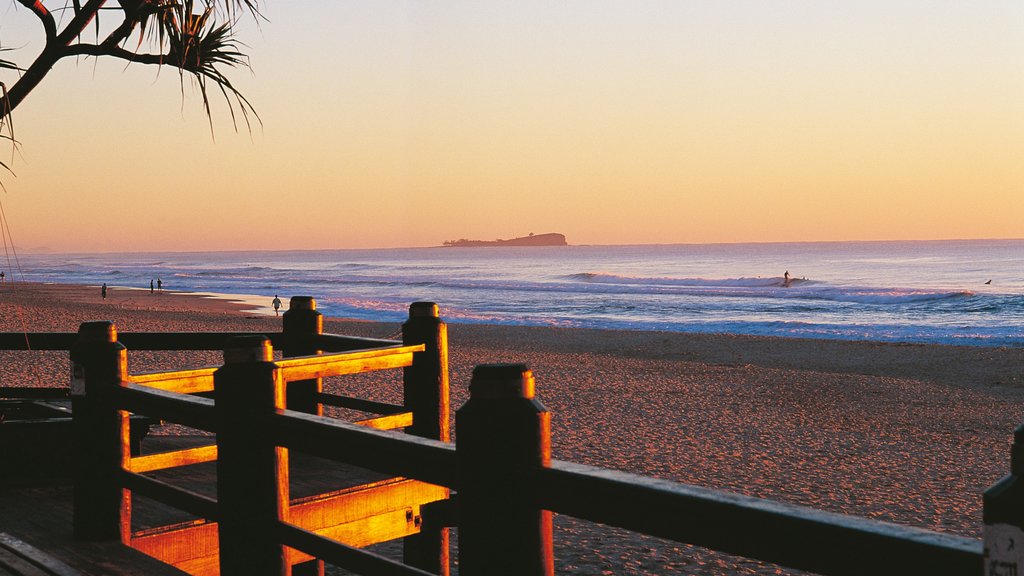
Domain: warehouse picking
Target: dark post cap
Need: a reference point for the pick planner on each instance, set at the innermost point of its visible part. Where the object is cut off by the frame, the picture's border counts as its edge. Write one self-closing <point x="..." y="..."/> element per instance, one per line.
<point x="253" y="348"/>
<point x="302" y="303"/>
<point x="97" y="332"/>
<point x="424" y="309"/>
<point x="1017" y="452"/>
<point x="502" y="381"/>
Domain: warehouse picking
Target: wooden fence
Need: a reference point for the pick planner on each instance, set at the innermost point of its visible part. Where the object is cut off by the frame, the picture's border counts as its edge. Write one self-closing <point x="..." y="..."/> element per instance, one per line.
<point x="506" y="484"/>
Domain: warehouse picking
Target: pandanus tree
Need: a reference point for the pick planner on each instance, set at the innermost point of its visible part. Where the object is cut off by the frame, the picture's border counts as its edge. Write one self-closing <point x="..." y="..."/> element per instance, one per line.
<point x="195" y="37"/>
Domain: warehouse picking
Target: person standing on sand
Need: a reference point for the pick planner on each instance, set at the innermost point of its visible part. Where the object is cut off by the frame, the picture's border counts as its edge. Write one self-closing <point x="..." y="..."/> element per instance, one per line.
<point x="159" y="284"/>
<point x="277" y="304"/>
<point x="103" y="291"/>
<point x="150" y="285"/>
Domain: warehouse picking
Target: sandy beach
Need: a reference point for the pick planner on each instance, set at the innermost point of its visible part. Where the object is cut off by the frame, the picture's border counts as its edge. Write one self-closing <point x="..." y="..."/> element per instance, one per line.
<point x="906" y="433"/>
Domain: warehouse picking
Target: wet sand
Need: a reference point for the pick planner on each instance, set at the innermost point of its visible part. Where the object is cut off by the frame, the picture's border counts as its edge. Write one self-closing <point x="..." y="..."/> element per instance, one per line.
<point x="906" y="433"/>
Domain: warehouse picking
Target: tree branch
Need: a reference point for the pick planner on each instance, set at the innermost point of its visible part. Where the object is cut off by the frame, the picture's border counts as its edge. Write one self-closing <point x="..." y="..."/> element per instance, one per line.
<point x="118" y="52"/>
<point x="80" y="21"/>
<point x="53" y="51"/>
<point x="44" y="15"/>
<point x="122" y="32"/>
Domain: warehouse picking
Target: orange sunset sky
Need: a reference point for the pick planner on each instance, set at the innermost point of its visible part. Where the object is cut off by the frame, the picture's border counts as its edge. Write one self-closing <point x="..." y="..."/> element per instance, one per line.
<point x="407" y="123"/>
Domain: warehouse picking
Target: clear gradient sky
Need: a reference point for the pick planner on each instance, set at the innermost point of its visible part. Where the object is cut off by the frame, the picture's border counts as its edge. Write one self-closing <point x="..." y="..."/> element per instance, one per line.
<point x="407" y="123"/>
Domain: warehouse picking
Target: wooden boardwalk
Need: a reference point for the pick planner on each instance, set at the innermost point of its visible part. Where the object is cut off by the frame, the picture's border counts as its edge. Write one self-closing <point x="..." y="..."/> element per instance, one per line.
<point x="282" y="485"/>
<point x="40" y="514"/>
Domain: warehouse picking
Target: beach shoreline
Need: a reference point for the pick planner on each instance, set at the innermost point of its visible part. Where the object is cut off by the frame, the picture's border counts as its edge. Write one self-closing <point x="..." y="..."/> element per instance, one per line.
<point x="977" y="367"/>
<point x="909" y="433"/>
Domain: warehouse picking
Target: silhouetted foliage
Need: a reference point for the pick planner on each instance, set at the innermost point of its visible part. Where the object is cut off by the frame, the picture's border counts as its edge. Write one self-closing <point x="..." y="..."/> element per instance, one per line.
<point x="196" y="37"/>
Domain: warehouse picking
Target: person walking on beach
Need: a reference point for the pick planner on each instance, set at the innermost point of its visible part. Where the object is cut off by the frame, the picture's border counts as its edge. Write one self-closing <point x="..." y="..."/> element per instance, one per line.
<point x="150" y="285"/>
<point x="103" y="291"/>
<point x="159" y="284"/>
<point x="277" y="304"/>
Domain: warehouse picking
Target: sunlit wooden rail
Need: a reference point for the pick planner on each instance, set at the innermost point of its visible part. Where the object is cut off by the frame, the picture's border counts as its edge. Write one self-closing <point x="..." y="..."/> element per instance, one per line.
<point x="506" y="484"/>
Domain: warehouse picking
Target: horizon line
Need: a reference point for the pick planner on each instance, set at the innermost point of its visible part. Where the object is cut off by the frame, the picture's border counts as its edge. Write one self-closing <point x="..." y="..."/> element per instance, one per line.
<point x="46" y="251"/>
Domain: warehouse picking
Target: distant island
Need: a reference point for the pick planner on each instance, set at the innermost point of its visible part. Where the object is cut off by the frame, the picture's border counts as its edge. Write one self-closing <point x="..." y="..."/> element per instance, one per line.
<point x="531" y="240"/>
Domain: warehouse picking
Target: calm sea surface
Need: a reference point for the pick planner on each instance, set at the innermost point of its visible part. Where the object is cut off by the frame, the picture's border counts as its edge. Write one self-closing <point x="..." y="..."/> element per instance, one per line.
<point x="893" y="291"/>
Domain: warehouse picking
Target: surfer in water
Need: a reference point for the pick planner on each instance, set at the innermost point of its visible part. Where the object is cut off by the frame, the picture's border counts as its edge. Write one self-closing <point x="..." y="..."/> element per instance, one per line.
<point x="785" y="279"/>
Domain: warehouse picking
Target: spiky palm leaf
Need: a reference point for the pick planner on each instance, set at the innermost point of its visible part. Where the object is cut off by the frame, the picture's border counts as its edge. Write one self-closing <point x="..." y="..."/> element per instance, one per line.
<point x="196" y="44"/>
<point x="5" y="64"/>
<point x="203" y="48"/>
<point x="6" y="125"/>
<point x="185" y="33"/>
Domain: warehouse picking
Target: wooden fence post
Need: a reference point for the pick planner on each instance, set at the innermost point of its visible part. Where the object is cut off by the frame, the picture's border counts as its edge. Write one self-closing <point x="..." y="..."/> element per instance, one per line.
<point x="301" y="324"/>
<point x="426" y="389"/>
<point x="1003" y="516"/>
<point x="504" y="436"/>
<point x="99" y="363"/>
<point x="252" y="473"/>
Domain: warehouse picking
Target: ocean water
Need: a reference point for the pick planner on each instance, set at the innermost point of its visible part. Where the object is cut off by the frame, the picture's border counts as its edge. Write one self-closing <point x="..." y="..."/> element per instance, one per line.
<point x="934" y="292"/>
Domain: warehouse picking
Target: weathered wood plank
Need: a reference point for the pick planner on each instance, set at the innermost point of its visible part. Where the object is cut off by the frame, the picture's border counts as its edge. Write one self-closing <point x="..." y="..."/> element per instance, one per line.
<point x="360" y="404"/>
<point x="175" y="496"/>
<point x="195" y="548"/>
<point x="359" y="561"/>
<point x="177" y="340"/>
<point x="37" y="340"/>
<point x="178" y="408"/>
<point x="323" y="511"/>
<point x="342" y="343"/>
<point x="390" y="422"/>
<point x="40" y="516"/>
<point x="787" y="534"/>
<point x="181" y="381"/>
<point x="358" y="517"/>
<point x="191" y="547"/>
<point x="20" y="554"/>
<point x="33" y="392"/>
<point x="364" y="532"/>
<point x="13" y="565"/>
<point x="301" y="368"/>
<point x="324" y="366"/>
<point x="163" y="460"/>
<point x="378" y="450"/>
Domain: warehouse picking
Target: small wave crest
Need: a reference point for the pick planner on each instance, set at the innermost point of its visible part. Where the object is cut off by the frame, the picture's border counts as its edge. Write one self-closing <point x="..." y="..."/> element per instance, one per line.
<point x="765" y="287"/>
<point x="606" y="278"/>
<point x="898" y="296"/>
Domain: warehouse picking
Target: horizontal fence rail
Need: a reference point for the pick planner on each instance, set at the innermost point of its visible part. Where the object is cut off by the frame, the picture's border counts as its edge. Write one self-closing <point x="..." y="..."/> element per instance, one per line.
<point x="42" y="392"/>
<point x="794" y="536"/>
<point x="197" y="341"/>
<point x="192" y="411"/>
<point x="342" y="343"/>
<point x="38" y="340"/>
<point x="183" y="381"/>
<point x="180" y="498"/>
<point x="181" y="340"/>
<point x="382" y="451"/>
<point x="360" y="404"/>
<point x="173" y="459"/>
<point x="300" y="368"/>
<point x="332" y="551"/>
<point x="342" y="363"/>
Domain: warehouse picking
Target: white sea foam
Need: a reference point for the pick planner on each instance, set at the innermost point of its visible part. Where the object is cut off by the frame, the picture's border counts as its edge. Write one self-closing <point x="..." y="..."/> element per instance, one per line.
<point x="901" y="291"/>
